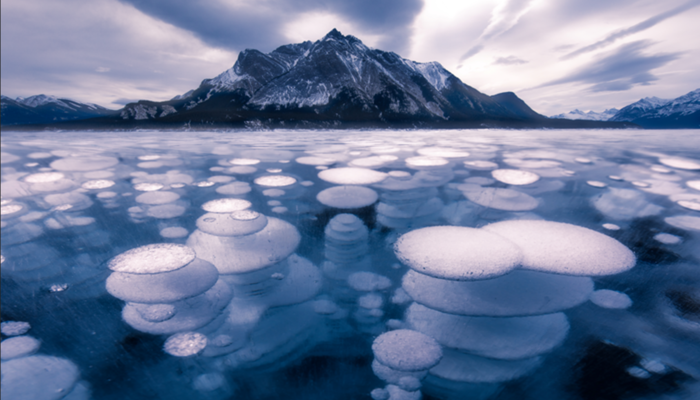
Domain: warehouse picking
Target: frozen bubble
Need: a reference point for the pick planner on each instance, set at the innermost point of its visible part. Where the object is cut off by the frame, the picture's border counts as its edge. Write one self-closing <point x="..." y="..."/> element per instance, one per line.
<point x="380" y="394"/>
<point x="242" y="170"/>
<point x="39" y="155"/>
<point x="204" y="184"/>
<point x="480" y="165"/>
<point x="352" y="176"/>
<point x="409" y="383"/>
<point x="83" y="164"/>
<point x="44" y="177"/>
<point x="153" y="259"/>
<point x="624" y="204"/>
<point x="462" y="367"/>
<point x="177" y="185"/>
<point x="155" y="198"/>
<point x="443" y="152"/>
<point x="667" y="238"/>
<point x="528" y="163"/>
<point x="148" y="186"/>
<point x="685" y="222"/>
<point x="279" y="210"/>
<point x="653" y="366"/>
<point x="241" y="254"/>
<point x="616" y="177"/>
<point x="611" y="227"/>
<point x="565" y="248"/>
<point x="236" y="223"/>
<point x="400" y="175"/>
<point x="406" y="350"/>
<point x="515" y="177"/>
<point x="306" y="183"/>
<point x="38" y="377"/>
<point x="244" y="161"/>
<point x="315" y="161"/>
<point x="641" y="184"/>
<point x="70" y="200"/>
<point x="209" y="382"/>
<point x="372" y="162"/>
<point x="226" y="205"/>
<point x="155" y="312"/>
<point x="370" y="301"/>
<point x="174" y="232"/>
<point x="680" y="163"/>
<point x="693" y="184"/>
<point x="166" y="211"/>
<point x="275" y="180"/>
<point x="273" y="192"/>
<point x="220" y="179"/>
<point x="660" y="169"/>
<point x="217" y="169"/>
<point x="185" y="344"/>
<point x="150" y="164"/>
<point x="426" y="161"/>
<point x="98" y="184"/>
<point x="106" y="195"/>
<point x="583" y="160"/>
<point x="518" y="293"/>
<point x="500" y="199"/>
<point x="31" y="164"/>
<point x="605" y="298"/>
<point x="11" y="209"/>
<point x="480" y="180"/>
<point x="690" y="204"/>
<point x="321" y="167"/>
<point x="20" y="346"/>
<point x="234" y="189"/>
<point x="347" y="197"/>
<point x="458" y="253"/>
<point x="597" y="184"/>
<point x="149" y="157"/>
<point x="638" y="373"/>
<point x="274" y="203"/>
<point x="325" y="307"/>
<point x="368" y="281"/>
<point x="164" y="287"/>
<point x="6" y="158"/>
<point x="494" y="337"/>
<point x="14" y="328"/>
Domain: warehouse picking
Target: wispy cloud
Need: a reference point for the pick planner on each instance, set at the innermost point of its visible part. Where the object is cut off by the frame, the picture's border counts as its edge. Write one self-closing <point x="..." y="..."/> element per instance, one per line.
<point x="102" y="69"/>
<point x="510" y="60"/>
<point x="503" y="17"/>
<point x="620" y="70"/>
<point x="622" y="33"/>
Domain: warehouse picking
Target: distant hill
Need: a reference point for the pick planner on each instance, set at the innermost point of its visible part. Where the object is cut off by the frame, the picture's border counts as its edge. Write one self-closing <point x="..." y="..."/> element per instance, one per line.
<point x="42" y="109"/>
<point x="650" y="112"/>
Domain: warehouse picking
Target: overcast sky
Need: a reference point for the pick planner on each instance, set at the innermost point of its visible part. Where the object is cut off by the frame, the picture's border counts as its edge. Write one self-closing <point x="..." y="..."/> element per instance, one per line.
<point x="556" y="55"/>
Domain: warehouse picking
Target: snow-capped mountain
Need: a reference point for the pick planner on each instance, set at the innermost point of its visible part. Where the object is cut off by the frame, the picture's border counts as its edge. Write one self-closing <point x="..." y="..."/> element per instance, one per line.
<point x="652" y="112"/>
<point x="336" y="79"/>
<point x="588" y="116"/>
<point x="42" y="109"/>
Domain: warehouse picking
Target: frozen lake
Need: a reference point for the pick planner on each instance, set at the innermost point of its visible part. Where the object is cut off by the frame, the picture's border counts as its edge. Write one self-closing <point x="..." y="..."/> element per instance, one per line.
<point x="480" y="264"/>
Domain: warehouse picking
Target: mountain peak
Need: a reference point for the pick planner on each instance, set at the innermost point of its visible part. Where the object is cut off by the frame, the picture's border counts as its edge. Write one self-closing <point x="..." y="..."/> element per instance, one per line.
<point x="335" y="34"/>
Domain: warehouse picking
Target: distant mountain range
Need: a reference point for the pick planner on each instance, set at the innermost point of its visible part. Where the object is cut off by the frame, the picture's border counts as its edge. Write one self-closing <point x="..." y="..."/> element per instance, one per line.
<point x="43" y="109"/>
<point x="334" y="82"/>
<point x="650" y="112"/>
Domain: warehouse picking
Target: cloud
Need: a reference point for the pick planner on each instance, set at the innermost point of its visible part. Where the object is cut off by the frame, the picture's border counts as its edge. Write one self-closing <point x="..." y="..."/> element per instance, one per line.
<point x="510" y="60"/>
<point x="621" y="70"/>
<point x="236" y="25"/>
<point x="102" y="69"/>
<point x="622" y="33"/>
<point x="503" y="17"/>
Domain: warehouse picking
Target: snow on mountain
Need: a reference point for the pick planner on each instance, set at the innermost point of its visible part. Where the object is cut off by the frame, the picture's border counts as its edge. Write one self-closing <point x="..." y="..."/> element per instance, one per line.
<point x="684" y="105"/>
<point x="589" y="116"/>
<point x="41" y="109"/>
<point x="652" y="112"/>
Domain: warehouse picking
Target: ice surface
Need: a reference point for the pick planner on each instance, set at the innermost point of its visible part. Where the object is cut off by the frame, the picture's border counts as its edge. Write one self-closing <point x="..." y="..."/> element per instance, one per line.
<point x="406" y="350"/>
<point x="514" y="176"/>
<point x="299" y="287"/>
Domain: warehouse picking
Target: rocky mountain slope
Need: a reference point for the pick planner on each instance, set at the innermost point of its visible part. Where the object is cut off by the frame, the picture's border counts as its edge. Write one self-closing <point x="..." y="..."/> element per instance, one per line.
<point x="42" y="109"/>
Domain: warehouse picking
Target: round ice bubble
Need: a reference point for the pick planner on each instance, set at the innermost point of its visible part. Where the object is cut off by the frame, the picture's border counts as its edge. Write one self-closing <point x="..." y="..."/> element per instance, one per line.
<point x="14" y="328"/>
<point x="368" y="281"/>
<point x="166" y="211"/>
<point x="480" y="165"/>
<point x="173" y="232"/>
<point x="19" y="346"/>
<point x="39" y="155"/>
<point x="44" y="177"/>
<point x="98" y="184"/>
<point x="443" y="152"/>
<point x="155" y="312"/>
<point x="273" y="192"/>
<point x="148" y="186"/>
<point x="310" y="160"/>
<point x="494" y="337"/>
<point x="694" y="184"/>
<point x="237" y="223"/>
<point x="185" y="344"/>
<point x="158" y="197"/>
<point x="275" y="180"/>
<point x="153" y="259"/>
<point x="372" y="162"/>
<point x="515" y="177"/>
<point x="499" y="199"/>
<point x="11" y="209"/>
<point x="426" y="162"/>
<point x="191" y="280"/>
<point x="347" y="197"/>
<point x="38" y="377"/>
<point x="518" y="293"/>
<point x="565" y="248"/>
<point x="685" y="222"/>
<point x="149" y="157"/>
<point x="611" y="227"/>
<point x="458" y="366"/>
<point x="85" y="163"/>
<point x="234" y="189"/>
<point x="352" y="176"/>
<point x="457" y="253"/>
<point x="606" y="298"/>
<point x="667" y="238"/>
<point x="244" y="161"/>
<point x="406" y="350"/>
<point x="680" y="163"/>
<point x="226" y="205"/>
<point x="597" y="184"/>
